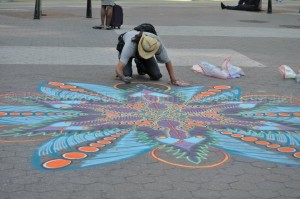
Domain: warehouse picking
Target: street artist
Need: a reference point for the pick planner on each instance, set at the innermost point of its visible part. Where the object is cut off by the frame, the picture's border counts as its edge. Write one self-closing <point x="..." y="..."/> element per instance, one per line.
<point x="147" y="49"/>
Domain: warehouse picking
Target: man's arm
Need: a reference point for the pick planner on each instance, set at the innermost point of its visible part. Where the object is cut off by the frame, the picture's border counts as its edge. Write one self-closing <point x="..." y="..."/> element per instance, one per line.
<point x="170" y="69"/>
<point x="119" y="70"/>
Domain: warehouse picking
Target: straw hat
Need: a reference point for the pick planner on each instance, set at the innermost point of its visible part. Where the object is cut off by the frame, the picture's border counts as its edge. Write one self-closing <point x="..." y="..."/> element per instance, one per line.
<point x="148" y="46"/>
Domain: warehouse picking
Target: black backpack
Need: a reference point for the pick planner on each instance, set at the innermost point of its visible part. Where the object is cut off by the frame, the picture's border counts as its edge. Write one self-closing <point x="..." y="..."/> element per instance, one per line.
<point x="144" y="27"/>
<point x="120" y="43"/>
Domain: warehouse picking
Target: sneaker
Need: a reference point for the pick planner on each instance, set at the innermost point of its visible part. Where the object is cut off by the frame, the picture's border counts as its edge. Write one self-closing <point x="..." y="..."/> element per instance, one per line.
<point x="223" y="6"/>
<point x="98" y="27"/>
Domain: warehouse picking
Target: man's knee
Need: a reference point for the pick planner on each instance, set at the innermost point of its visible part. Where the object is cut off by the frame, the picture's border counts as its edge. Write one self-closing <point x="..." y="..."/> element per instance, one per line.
<point x="155" y="77"/>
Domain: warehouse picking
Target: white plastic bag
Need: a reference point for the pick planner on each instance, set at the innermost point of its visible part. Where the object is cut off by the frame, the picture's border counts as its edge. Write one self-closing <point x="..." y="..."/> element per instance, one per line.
<point x="298" y="76"/>
<point x="212" y="70"/>
<point x="197" y="68"/>
<point x="287" y="72"/>
<point x="233" y="71"/>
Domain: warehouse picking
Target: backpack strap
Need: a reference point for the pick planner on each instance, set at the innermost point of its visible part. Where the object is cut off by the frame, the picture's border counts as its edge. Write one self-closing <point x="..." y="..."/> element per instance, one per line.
<point x="120" y="43"/>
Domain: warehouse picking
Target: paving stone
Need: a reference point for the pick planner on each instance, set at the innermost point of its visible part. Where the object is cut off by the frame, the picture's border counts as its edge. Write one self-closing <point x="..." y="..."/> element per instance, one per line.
<point x="289" y="193"/>
<point x="243" y="186"/>
<point x="128" y="187"/>
<point x="235" y="194"/>
<point x="157" y="186"/>
<point x="25" y="195"/>
<point x="277" y="178"/>
<point x="269" y="185"/>
<point x="55" y="194"/>
<point x="11" y="187"/>
<point x="106" y="188"/>
<point x="88" y="195"/>
<point x="82" y="180"/>
<point x="68" y="187"/>
<point x="124" y="173"/>
<point x="112" y="180"/>
<point x="206" y="194"/>
<point x="251" y="178"/>
<point x="11" y="173"/>
<point x="4" y="195"/>
<point x="39" y="188"/>
<point x="188" y="186"/>
<point x="177" y="194"/>
<point x="50" y="179"/>
<point x="140" y="179"/>
<point x="292" y="184"/>
<point x="264" y="193"/>
<point x="4" y="153"/>
<point x="25" y="180"/>
<point x="216" y="186"/>
<point x="146" y="195"/>
<point x="6" y="166"/>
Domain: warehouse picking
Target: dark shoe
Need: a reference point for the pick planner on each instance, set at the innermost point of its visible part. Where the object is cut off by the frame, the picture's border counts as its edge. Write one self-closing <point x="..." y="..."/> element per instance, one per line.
<point x="98" y="27"/>
<point x="223" y="6"/>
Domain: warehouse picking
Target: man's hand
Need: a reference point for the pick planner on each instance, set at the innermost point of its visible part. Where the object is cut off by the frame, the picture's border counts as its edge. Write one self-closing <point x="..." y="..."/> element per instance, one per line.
<point x="180" y="83"/>
<point x="125" y="79"/>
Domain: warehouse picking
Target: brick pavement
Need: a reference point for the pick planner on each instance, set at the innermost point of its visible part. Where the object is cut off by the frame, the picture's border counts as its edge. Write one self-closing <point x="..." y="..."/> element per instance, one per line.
<point x="62" y="46"/>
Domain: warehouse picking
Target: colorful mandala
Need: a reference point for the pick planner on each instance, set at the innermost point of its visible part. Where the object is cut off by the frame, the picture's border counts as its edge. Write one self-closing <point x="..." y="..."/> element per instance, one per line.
<point x="191" y="127"/>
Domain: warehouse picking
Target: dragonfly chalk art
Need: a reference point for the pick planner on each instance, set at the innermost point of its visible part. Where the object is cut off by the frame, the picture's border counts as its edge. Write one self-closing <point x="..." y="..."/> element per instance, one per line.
<point x="83" y="125"/>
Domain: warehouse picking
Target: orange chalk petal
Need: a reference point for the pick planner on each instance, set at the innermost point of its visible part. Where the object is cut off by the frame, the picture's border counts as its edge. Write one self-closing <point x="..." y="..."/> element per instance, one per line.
<point x="297" y="155"/>
<point x="226" y="133"/>
<point x="14" y="114"/>
<point x="88" y="149"/>
<point x="67" y="87"/>
<point x="237" y="135"/>
<point x="109" y="138"/>
<point x="27" y="113"/>
<point x="104" y="142"/>
<point x="222" y="87"/>
<point x="249" y="139"/>
<point x="77" y="89"/>
<point x="116" y="136"/>
<point x="74" y="155"/>
<point x="284" y="114"/>
<point x="56" y="83"/>
<point x="3" y="114"/>
<point x="273" y="146"/>
<point x="56" y="164"/>
<point x="286" y="149"/>
<point x="97" y="145"/>
<point x="271" y="114"/>
<point x="214" y="90"/>
<point x="208" y="93"/>
<point x="297" y="114"/>
<point x="39" y="113"/>
<point x="262" y="142"/>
